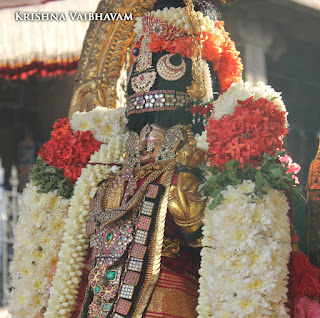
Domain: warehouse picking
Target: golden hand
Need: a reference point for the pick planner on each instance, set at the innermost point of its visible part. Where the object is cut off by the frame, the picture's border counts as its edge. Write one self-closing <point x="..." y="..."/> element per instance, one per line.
<point x="186" y="206"/>
<point x="191" y="156"/>
<point x="185" y="202"/>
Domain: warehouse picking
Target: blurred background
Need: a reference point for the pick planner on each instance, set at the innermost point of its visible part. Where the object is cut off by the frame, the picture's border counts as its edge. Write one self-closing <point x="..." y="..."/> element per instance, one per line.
<point x="278" y="41"/>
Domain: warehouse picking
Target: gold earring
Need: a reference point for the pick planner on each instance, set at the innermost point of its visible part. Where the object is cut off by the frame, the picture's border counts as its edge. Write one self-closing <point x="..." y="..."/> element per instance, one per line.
<point x="170" y="143"/>
<point x="132" y="150"/>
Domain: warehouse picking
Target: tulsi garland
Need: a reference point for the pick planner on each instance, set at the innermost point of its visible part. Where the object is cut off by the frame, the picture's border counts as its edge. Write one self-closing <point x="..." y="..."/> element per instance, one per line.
<point x="49" y="178"/>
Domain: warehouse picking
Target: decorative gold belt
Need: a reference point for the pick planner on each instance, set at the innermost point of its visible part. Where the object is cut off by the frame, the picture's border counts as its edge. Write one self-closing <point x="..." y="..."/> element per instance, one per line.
<point x="156" y="101"/>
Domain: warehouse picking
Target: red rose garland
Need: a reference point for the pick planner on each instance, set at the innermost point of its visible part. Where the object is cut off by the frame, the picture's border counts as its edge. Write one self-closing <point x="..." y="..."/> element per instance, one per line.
<point x="67" y="150"/>
<point x="255" y="128"/>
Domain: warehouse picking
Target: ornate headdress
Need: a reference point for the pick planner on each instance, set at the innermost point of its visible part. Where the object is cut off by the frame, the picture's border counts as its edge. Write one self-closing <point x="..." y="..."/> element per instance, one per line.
<point x="181" y="58"/>
<point x="187" y="49"/>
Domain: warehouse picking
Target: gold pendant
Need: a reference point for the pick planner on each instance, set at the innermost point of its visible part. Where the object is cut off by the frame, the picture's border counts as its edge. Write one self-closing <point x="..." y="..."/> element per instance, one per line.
<point x="143" y="82"/>
<point x="144" y="59"/>
<point x="169" y="71"/>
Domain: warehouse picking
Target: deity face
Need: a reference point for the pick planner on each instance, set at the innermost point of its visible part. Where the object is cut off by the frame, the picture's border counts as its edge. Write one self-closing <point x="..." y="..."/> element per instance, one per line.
<point x="150" y="140"/>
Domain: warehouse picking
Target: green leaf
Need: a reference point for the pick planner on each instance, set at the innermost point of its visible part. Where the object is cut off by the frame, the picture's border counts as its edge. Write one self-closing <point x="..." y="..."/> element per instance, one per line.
<point x="202" y="188"/>
<point x="259" y="179"/>
<point x="49" y="178"/>
<point x="232" y="176"/>
<point x="51" y="170"/>
<point x="215" y="193"/>
<point x="271" y="173"/>
<point x="215" y="202"/>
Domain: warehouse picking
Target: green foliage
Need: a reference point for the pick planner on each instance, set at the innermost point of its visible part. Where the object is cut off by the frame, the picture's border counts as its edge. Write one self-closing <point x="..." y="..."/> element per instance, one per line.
<point x="49" y="178"/>
<point x="271" y="174"/>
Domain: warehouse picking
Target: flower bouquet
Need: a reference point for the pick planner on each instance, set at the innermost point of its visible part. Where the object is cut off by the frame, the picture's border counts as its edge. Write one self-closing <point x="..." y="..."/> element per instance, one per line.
<point x="80" y="153"/>
<point x="249" y="182"/>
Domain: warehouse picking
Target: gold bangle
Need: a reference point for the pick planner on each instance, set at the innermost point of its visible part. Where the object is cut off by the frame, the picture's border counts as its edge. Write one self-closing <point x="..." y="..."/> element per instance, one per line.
<point x="195" y="244"/>
<point x="188" y="224"/>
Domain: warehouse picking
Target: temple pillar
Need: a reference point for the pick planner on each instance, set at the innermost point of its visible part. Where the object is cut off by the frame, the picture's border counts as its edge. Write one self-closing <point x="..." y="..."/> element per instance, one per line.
<point x="255" y="38"/>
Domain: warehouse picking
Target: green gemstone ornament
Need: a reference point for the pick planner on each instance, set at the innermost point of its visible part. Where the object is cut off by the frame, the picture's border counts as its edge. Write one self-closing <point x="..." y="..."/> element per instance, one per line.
<point x="111" y="275"/>
<point x="109" y="237"/>
<point x="97" y="289"/>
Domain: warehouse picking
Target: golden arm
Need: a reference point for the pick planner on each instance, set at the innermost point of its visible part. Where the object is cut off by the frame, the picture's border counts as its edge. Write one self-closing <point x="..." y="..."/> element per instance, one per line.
<point x="185" y="202"/>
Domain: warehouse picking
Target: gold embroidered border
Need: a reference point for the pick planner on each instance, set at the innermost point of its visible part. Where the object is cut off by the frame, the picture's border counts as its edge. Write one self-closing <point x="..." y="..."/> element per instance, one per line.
<point x="174" y="295"/>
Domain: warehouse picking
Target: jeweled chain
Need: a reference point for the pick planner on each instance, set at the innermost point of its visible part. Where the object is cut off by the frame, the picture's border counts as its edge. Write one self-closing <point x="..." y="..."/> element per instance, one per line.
<point x="134" y="263"/>
<point x="111" y="214"/>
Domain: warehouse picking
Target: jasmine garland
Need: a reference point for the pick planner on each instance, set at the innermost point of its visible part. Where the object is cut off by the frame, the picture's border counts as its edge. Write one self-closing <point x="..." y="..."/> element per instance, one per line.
<point x="36" y="253"/>
<point x="246" y="249"/>
<point x="63" y="293"/>
<point x="228" y="101"/>
<point x="47" y="267"/>
<point x="103" y="123"/>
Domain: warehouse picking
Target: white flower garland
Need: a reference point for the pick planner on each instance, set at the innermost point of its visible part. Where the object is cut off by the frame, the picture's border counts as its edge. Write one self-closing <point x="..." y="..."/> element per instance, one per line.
<point x="246" y="251"/>
<point x="179" y="17"/>
<point x="63" y="293"/>
<point x="102" y="122"/>
<point x="110" y="153"/>
<point x="60" y="261"/>
<point x="36" y="254"/>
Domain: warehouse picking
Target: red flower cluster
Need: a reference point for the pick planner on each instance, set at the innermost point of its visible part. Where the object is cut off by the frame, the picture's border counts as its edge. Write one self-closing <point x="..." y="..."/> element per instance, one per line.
<point x="67" y="150"/>
<point x="255" y="128"/>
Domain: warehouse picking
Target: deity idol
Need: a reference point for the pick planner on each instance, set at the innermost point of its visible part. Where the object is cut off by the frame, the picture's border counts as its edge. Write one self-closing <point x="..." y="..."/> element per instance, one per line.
<point x="145" y="222"/>
<point x="131" y="247"/>
<point x="145" y="228"/>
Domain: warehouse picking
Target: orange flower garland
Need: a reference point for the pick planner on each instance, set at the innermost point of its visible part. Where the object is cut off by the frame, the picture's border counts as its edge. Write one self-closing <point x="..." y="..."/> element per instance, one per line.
<point x="217" y="48"/>
<point x="229" y="67"/>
